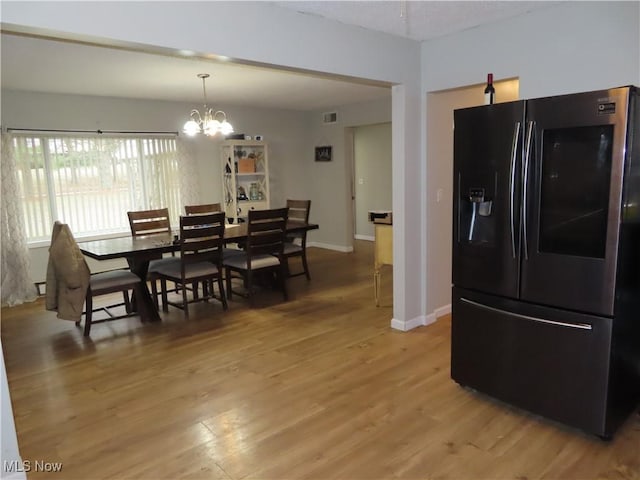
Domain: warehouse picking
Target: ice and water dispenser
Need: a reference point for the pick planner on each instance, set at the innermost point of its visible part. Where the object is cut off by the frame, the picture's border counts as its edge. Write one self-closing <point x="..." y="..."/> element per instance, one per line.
<point x="476" y="216"/>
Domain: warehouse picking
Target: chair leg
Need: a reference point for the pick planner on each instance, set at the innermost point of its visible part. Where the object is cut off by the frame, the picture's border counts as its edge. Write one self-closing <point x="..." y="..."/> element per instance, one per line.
<point x="282" y="274"/>
<point x="305" y="265"/>
<point x="88" y="313"/>
<point x="185" y="301"/>
<point x="165" y="300"/>
<point x="228" y="278"/>
<point x="248" y="281"/>
<point x="154" y="293"/>
<point x="286" y="266"/>
<point x="127" y="301"/>
<point x="223" y="297"/>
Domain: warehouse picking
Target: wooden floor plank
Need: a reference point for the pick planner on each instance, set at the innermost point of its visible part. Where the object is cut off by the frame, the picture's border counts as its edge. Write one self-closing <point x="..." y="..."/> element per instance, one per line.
<point x="319" y="387"/>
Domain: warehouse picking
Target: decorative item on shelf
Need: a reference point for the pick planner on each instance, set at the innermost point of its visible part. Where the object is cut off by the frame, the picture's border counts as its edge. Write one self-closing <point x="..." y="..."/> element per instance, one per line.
<point x="247" y="165"/>
<point x="254" y="193"/>
<point x="242" y="194"/>
<point x="210" y="122"/>
<point x="323" y="154"/>
<point x="235" y="136"/>
<point x="259" y="138"/>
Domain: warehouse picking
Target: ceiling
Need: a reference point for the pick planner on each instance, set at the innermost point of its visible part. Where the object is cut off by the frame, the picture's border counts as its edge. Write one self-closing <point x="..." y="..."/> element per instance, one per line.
<point x="418" y="20"/>
<point x="94" y="70"/>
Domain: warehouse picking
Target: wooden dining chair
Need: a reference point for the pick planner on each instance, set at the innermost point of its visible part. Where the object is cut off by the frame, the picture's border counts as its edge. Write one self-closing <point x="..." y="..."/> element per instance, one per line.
<point x="211" y="208"/>
<point x="150" y="222"/>
<point x="266" y="231"/>
<point x="69" y="281"/>
<point x="296" y="244"/>
<point x="202" y="208"/>
<point x="201" y="241"/>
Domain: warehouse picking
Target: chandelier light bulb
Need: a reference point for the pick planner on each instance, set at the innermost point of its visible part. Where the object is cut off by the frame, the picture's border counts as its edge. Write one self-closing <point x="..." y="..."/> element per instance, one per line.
<point x="226" y="128"/>
<point x="211" y="127"/>
<point x="191" y="128"/>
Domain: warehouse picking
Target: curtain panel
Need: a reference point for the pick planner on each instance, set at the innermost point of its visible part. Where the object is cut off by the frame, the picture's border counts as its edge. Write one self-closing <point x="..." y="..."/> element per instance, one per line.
<point x="17" y="286"/>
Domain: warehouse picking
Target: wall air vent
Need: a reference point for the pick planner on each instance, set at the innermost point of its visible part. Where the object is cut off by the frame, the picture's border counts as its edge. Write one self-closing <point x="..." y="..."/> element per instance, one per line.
<point x="330" y="117"/>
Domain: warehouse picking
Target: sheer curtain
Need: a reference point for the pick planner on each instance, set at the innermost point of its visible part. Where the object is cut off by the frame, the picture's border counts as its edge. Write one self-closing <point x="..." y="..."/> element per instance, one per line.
<point x="189" y="186"/>
<point x="17" y="285"/>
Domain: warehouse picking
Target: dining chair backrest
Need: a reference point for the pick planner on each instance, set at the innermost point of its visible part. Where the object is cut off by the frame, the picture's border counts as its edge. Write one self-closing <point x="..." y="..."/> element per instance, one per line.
<point x="147" y="222"/>
<point x="201" y="238"/>
<point x="299" y="210"/>
<point x="203" y="208"/>
<point x="296" y="245"/>
<point x="266" y="230"/>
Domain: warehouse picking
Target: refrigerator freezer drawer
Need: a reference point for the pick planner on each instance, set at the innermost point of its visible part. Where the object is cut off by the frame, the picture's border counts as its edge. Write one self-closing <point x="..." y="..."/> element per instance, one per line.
<point x="551" y="362"/>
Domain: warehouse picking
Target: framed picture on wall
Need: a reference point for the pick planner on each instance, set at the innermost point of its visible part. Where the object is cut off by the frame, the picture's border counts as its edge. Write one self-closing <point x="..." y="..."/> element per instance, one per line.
<point x="323" y="154"/>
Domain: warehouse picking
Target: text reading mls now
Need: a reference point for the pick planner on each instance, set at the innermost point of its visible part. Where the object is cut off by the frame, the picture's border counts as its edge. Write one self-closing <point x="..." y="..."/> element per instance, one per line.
<point x="14" y="466"/>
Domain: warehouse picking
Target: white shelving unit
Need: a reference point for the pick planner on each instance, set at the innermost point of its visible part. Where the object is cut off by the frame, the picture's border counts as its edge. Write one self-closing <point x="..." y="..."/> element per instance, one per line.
<point x="245" y="177"/>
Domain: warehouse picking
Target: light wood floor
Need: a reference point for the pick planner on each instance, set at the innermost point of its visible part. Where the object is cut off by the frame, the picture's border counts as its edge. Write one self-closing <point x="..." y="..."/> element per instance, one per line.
<point x="319" y="387"/>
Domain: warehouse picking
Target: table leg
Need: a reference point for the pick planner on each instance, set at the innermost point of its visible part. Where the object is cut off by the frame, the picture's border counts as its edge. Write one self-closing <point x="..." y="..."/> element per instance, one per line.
<point x="142" y="301"/>
<point x="376" y="284"/>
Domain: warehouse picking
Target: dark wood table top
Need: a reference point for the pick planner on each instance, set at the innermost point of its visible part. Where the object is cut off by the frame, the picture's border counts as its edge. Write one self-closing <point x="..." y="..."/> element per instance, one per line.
<point x="153" y="245"/>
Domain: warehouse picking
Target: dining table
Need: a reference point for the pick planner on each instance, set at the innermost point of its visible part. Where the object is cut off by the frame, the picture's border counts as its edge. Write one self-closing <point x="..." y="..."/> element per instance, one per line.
<point x="138" y="251"/>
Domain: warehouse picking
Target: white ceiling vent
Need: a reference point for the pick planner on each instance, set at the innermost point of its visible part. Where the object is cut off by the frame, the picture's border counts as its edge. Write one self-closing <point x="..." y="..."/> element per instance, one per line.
<point x="329" y="117"/>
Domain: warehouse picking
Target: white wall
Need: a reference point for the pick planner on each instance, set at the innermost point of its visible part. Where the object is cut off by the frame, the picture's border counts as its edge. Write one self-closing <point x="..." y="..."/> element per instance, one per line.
<point x="572" y="47"/>
<point x="331" y="181"/>
<point x="567" y="48"/>
<point x="372" y="152"/>
<point x="273" y="36"/>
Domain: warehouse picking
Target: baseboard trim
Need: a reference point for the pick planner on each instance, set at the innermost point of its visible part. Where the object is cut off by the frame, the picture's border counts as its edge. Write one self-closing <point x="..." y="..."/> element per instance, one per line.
<point x="368" y="238"/>
<point x="420" y="321"/>
<point x="429" y="319"/>
<point x="329" y="246"/>
<point x="442" y="311"/>
<point x="405" y="326"/>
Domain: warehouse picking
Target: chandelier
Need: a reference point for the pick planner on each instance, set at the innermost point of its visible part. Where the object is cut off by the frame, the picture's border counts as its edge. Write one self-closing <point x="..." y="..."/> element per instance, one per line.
<point x="209" y="123"/>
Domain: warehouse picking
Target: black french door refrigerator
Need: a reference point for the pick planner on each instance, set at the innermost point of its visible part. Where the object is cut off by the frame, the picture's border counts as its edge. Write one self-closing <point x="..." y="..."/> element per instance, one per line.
<point x="546" y="255"/>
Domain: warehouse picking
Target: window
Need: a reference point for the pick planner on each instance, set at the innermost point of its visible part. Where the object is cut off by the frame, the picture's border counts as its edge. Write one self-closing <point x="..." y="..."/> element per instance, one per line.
<point x="90" y="182"/>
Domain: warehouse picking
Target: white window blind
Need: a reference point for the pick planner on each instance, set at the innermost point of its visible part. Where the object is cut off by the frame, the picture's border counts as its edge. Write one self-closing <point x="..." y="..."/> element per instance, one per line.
<point x="91" y="181"/>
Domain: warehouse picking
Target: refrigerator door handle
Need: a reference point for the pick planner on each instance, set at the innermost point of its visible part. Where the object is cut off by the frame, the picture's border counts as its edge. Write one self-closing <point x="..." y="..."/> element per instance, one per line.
<point x="579" y="326"/>
<point x="512" y="186"/>
<point x="525" y="190"/>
